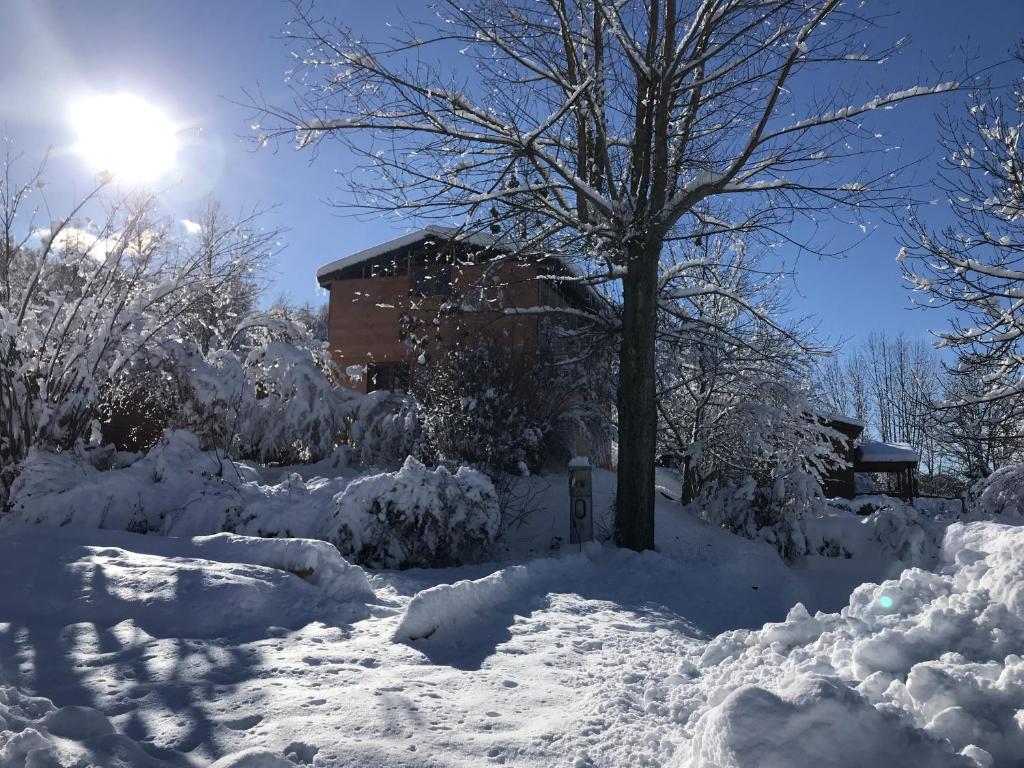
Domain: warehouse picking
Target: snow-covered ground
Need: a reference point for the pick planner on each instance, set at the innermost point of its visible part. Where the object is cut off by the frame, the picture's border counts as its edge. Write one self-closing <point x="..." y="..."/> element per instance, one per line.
<point x="178" y="651"/>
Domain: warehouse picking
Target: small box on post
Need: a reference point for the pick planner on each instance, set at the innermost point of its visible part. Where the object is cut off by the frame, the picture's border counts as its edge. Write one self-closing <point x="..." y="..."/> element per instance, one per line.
<point x="581" y="501"/>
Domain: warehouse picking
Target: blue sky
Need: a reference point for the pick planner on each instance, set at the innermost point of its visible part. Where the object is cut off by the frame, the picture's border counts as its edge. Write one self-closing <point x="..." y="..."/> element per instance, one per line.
<point x="193" y="57"/>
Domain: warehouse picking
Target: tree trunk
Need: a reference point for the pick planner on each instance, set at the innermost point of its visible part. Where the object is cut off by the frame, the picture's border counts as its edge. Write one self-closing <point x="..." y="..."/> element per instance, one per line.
<point x="634" y="498"/>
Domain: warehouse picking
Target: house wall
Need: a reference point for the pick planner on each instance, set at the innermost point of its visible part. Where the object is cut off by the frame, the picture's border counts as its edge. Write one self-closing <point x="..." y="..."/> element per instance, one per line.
<point x="841" y="481"/>
<point x="365" y="318"/>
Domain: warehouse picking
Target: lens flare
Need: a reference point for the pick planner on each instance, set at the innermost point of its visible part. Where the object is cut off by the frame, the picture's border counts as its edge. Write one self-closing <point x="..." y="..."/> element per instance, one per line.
<point x="124" y="135"/>
<point x="885" y="601"/>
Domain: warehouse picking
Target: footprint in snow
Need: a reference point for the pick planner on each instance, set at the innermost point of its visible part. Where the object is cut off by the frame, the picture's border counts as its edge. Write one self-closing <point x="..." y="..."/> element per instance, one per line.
<point x="244" y="723"/>
<point x="300" y="752"/>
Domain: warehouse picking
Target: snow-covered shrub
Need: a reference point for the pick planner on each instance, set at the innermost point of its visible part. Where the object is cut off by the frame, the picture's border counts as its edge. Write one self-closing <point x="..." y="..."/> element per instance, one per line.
<point x="875" y="526"/>
<point x="416" y="517"/>
<point x="491" y="405"/>
<point x="1000" y="494"/>
<point x="94" y="315"/>
<point x="266" y="392"/>
<point x="770" y="511"/>
<point x="76" y="306"/>
<point x="383" y="428"/>
<point x="147" y="495"/>
<point x="767" y="477"/>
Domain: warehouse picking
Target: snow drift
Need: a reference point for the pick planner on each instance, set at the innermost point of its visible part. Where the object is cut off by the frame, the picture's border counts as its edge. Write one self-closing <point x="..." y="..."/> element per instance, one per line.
<point x="208" y="586"/>
<point x="923" y="670"/>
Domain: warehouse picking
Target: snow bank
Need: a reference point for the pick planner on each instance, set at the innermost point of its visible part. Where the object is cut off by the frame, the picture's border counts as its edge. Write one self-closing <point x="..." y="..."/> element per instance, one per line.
<point x="923" y="670"/>
<point x="451" y="604"/>
<point x="209" y="586"/>
<point x="317" y="562"/>
<point x="449" y="607"/>
<point x="416" y="517"/>
<point x="818" y="722"/>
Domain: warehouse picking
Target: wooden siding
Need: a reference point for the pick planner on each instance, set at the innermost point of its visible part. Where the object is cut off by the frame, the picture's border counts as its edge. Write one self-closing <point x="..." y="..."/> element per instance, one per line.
<point x="365" y="319"/>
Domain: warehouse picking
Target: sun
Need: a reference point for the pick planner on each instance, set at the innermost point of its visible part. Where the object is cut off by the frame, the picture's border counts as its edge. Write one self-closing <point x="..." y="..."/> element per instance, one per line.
<point x="126" y="136"/>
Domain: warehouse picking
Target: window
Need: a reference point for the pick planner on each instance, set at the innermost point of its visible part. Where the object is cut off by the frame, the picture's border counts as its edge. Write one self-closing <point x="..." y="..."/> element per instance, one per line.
<point x="390" y="376"/>
<point x="432" y="280"/>
<point x="487" y="293"/>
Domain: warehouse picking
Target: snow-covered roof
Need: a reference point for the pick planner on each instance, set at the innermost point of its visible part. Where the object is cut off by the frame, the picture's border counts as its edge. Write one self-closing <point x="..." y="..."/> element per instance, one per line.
<point x="840" y="418"/>
<point x="445" y="233"/>
<point x="480" y="240"/>
<point x="871" y="452"/>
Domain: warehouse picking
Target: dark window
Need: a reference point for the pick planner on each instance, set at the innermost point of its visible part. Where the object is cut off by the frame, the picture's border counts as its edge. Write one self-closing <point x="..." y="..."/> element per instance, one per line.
<point x="390" y="376"/>
<point x="433" y="280"/>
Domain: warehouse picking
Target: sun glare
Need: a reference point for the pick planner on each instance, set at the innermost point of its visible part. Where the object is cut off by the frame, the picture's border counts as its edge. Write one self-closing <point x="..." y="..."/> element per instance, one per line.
<point x="125" y="136"/>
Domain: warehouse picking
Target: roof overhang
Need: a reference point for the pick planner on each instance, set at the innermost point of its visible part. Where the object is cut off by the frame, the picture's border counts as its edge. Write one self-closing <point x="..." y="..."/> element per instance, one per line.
<point x="327" y="271"/>
<point x="571" y="271"/>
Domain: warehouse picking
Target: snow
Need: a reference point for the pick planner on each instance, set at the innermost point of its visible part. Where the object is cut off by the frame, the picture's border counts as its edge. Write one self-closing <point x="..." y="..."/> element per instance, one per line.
<point x="843" y="419"/>
<point x="872" y="451"/>
<point x="233" y="651"/>
<point x="33" y="732"/>
<point x="919" y="670"/>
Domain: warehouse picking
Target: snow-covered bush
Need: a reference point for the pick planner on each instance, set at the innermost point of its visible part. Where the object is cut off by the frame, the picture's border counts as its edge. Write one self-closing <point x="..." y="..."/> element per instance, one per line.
<point x="176" y="489"/>
<point x="880" y="526"/>
<point x="1000" y="494"/>
<point x="383" y="428"/>
<point x="78" y="302"/>
<point x="488" y="404"/>
<point x="128" y="320"/>
<point x="67" y="488"/>
<point x="766" y="477"/>
<point x="416" y="517"/>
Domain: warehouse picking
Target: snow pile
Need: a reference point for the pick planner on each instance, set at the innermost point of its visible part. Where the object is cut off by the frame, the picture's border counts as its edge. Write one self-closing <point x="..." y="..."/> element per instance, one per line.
<point x="453" y="605"/>
<point x="817" y="722"/>
<point x="894" y="530"/>
<point x="36" y="734"/>
<point x="176" y="489"/>
<point x="416" y="517"/>
<point x="315" y="561"/>
<point x="923" y="670"/>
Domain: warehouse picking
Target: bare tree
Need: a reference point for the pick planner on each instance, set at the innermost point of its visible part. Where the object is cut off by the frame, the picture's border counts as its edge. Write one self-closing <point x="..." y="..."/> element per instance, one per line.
<point x="976" y="264"/>
<point x="719" y="342"/>
<point x="231" y="255"/>
<point x="613" y="128"/>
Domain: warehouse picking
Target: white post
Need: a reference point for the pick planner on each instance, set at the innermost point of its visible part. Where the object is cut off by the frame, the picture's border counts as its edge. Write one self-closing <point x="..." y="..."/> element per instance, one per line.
<point x="581" y="501"/>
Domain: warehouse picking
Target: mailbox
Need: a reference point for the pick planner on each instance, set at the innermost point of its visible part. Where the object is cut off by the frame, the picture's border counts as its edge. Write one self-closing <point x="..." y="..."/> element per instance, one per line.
<point x="581" y="501"/>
